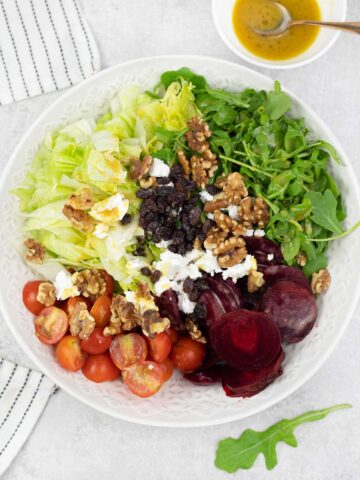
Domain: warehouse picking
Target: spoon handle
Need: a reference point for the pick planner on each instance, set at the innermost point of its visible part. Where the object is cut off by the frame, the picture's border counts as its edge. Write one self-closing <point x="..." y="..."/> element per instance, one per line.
<point x="353" y="27"/>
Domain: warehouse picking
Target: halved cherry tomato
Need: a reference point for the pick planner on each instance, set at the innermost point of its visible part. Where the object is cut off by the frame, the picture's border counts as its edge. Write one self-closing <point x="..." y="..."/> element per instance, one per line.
<point x="173" y="334"/>
<point x="159" y="347"/>
<point x="128" y="349"/>
<point x="168" y="368"/>
<point x="29" y="295"/>
<point x="69" y="354"/>
<point x="51" y="325"/>
<point x="144" y="379"/>
<point x="97" y="342"/>
<point x="110" y="283"/>
<point x="72" y="303"/>
<point x="100" y="368"/>
<point x="101" y="311"/>
<point x="187" y="354"/>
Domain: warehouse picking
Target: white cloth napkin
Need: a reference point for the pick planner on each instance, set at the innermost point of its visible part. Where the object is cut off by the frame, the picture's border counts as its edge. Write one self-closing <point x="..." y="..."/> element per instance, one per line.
<point x="23" y="396"/>
<point x="45" y="45"/>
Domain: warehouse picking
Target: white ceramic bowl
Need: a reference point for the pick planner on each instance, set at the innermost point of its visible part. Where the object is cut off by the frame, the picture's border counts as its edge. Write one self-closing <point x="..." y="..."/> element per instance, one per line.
<point x="331" y="10"/>
<point x="179" y="403"/>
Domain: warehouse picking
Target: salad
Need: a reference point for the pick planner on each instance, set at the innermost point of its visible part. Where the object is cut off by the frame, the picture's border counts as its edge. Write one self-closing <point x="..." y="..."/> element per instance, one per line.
<point x="185" y="228"/>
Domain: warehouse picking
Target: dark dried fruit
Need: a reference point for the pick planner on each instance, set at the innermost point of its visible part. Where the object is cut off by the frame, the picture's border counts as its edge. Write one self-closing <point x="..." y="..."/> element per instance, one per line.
<point x="145" y="271"/>
<point x="168" y="306"/>
<point x="155" y="276"/>
<point x="126" y="219"/>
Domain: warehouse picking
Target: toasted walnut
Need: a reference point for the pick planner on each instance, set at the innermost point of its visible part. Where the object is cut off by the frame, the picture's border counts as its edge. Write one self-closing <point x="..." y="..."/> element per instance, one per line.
<point x="197" y="243"/>
<point x="148" y="182"/>
<point x="197" y="135"/>
<point x="140" y="168"/>
<point x="229" y="245"/>
<point x="83" y="200"/>
<point x="214" y="238"/>
<point x="301" y="259"/>
<point x="233" y="187"/>
<point x="82" y="324"/>
<point x="255" y="281"/>
<point x="227" y="224"/>
<point x="194" y="331"/>
<point x="253" y="211"/>
<point x="231" y="252"/>
<point x="46" y="294"/>
<point x="184" y="162"/>
<point x="90" y="283"/>
<point x="320" y="281"/>
<point x="152" y="323"/>
<point x="216" y="204"/>
<point x="124" y="316"/>
<point x="79" y="219"/>
<point x="35" y="251"/>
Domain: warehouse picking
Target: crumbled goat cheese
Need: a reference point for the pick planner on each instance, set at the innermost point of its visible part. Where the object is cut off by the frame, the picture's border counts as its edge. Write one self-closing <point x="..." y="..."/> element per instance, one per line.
<point x="233" y="212"/>
<point x="101" y="231"/>
<point x="162" y="285"/>
<point x="240" y="270"/>
<point x="270" y="257"/>
<point x="185" y="304"/>
<point x="211" y="216"/>
<point x="249" y="233"/>
<point x="111" y="210"/>
<point x="259" y="233"/>
<point x="141" y="303"/>
<point x="205" y="196"/>
<point x="164" y="243"/>
<point x="208" y="263"/>
<point x="64" y="286"/>
<point x="159" y="168"/>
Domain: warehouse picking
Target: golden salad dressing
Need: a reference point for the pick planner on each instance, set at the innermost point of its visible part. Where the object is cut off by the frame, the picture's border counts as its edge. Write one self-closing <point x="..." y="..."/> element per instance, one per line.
<point x="263" y="14"/>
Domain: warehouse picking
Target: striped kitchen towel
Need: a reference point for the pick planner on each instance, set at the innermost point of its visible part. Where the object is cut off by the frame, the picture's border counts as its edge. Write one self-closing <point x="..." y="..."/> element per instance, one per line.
<point x="45" y="45"/>
<point x="23" y="396"/>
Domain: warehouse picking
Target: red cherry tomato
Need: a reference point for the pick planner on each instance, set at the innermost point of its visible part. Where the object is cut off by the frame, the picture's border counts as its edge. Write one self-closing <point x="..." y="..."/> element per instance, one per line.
<point x="101" y="311"/>
<point x="51" y="325"/>
<point x="73" y="302"/>
<point x="173" y="334"/>
<point x="144" y="379"/>
<point x="187" y="354"/>
<point x="168" y="368"/>
<point x="29" y="295"/>
<point x="97" y="342"/>
<point x="110" y="283"/>
<point x="100" y="368"/>
<point x="69" y="354"/>
<point x="159" y="347"/>
<point x="128" y="349"/>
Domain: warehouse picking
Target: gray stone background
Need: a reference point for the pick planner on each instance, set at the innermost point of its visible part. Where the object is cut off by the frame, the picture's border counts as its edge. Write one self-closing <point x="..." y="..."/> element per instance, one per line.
<point x="73" y="441"/>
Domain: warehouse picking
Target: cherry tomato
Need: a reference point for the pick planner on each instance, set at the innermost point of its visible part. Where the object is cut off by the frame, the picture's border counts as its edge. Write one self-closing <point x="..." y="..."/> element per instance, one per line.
<point x="110" y="283"/>
<point x="100" y="368"/>
<point x="173" y="334"/>
<point x="69" y="354"/>
<point x="51" y="325"/>
<point x="159" y="347"/>
<point x="187" y="354"/>
<point x="101" y="311"/>
<point x="128" y="349"/>
<point x="97" y="342"/>
<point x="168" y="368"/>
<point x="73" y="302"/>
<point x="29" y="295"/>
<point x="144" y="379"/>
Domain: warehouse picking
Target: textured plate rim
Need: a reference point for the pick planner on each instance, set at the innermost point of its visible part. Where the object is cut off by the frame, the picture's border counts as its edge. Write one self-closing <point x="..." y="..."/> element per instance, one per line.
<point x="354" y="186"/>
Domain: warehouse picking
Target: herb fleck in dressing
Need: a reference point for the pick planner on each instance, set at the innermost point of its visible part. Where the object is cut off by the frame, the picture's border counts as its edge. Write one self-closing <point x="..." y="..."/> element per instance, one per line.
<point x="263" y="14"/>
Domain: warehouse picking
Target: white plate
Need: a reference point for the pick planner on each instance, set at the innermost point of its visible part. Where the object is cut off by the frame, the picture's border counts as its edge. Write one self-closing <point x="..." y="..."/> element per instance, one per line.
<point x="179" y="403"/>
<point x="331" y="11"/>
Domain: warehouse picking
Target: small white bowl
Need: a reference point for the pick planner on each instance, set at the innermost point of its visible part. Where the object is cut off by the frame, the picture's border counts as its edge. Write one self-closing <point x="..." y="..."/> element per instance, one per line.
<point x="331" y="10"/>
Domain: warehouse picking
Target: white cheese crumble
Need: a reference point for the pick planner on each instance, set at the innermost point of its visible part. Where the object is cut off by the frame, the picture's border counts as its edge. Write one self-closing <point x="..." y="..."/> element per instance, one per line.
<point x="164" y="243"/>
<point x="142" y="303"/>
<point x="208" y="263"/>
<point x="211" y="216"/>
<point x="270" y="257"/>
<point x="249" y="233"/>
<point x="240" y="270"/>
<point x="159" y="168"/>
<point x="101" y="230"/>
<point x="233" y="212"/>
<point x="111" y="210"/>
<point x="259" y="233"/>
<point x="185" y="304"/>
<point x="205" y="196"/>
<point x="64" y="286"/>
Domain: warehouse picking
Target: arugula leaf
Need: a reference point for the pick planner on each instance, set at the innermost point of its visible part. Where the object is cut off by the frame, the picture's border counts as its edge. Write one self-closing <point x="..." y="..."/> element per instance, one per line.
<point x="185" y="73"/>
<point x="234" y="454"/>
<point x="277" y="103"/>
<point x="324" y="210"/>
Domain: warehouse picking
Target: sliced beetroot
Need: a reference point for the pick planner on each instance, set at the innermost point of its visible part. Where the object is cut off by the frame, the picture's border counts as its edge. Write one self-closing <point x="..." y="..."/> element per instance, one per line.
<point x="213" y="307"/>
<point x="169" y="307"/>
<point x="292" y="307"/>
<point x="211" y="357"/>
<point x="238" y="383"/>
<point x="276" y="273"/>
<point x="245" y="339"/>
<point x="206" y="376"/>
<point x="265" y="251"/>
<point x="228" y="293"/>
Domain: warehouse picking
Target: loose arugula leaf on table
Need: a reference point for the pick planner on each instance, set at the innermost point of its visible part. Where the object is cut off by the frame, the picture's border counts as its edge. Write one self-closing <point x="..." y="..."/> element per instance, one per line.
<point x="234" y="454"/>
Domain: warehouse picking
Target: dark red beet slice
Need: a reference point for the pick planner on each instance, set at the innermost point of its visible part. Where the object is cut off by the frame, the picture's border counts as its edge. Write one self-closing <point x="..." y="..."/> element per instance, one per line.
<point x="206" y="376"/>
<point x="261" y="248"/>
<point x="227" y="292"/>
<point x="213" y="307"/>
<point x="245" y="339"/>
<point x="211" y="357"/>
<point x="168" y="307"/>
<point x="237" y="383"/>
<point x="292" y="307"/>
<point x="277" y="273"/>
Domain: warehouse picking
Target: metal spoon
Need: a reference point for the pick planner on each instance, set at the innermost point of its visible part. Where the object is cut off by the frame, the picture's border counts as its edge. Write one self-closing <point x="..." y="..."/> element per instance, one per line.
<point x="287" y="22"/>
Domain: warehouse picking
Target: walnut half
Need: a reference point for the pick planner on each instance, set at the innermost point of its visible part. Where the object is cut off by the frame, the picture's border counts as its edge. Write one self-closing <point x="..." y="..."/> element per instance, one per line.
<point x="46" y="294"/>
<point x="90" y="283"/>
<point x="82" y="324"/>
<point x="320" y="281"/>
<point x="124" y="316"/>
<point x="35" y="251"/>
